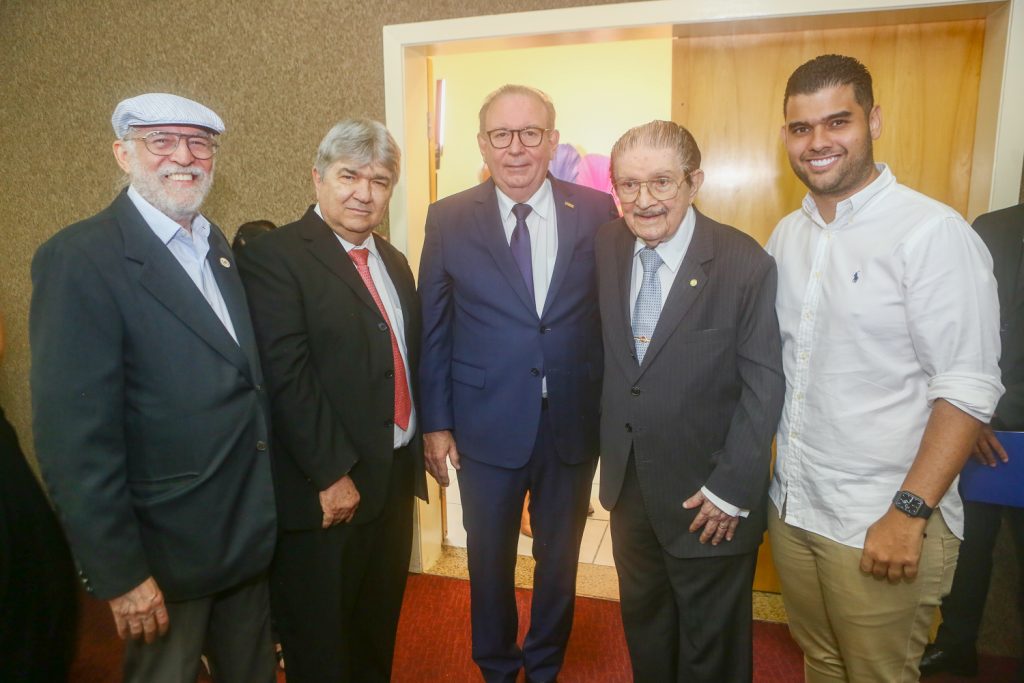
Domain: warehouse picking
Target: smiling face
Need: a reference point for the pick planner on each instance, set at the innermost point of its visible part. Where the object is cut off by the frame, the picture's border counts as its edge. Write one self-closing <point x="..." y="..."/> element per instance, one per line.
<point x="828" y="138"/>
<point x="517" y="170"/>
<point x="353" y="198"/>
<point x="175" y="184"/>
<point x="655" y="220"/>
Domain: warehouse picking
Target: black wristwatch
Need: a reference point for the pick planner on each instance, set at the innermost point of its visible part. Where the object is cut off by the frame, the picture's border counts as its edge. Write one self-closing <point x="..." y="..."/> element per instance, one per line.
<point x="911" y="505"/>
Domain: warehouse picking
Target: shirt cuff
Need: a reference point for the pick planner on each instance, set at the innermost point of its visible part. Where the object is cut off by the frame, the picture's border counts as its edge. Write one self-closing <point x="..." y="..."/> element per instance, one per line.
<point x="974" y="393"/>
<point x="727" y="508"/>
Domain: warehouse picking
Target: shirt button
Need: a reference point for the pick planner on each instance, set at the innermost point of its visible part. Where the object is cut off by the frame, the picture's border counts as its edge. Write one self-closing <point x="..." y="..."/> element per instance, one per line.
<point x="635" y="391"/>
<point x="535" y="372"/>
<point x="261" y="445"/>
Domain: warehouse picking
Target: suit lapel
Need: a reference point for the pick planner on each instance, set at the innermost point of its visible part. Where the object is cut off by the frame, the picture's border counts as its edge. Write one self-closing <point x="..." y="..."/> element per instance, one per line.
<point x="325" y="248"/>
<point x="399" y="274"/>
<point x="234" y="297"/>
<point x="689" y="282"/>
<point x="163" y="277"/>
<point x="624" y="244"/>
<point x="567" y="222"/>
<point x="492" y="232"/>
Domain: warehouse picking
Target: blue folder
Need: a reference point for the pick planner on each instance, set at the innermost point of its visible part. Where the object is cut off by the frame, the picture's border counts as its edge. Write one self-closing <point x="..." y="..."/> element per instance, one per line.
<point x="1002" y="484"/>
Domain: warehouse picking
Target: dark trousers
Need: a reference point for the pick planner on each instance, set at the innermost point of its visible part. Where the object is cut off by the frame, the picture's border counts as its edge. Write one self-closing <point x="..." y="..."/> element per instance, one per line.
<point x="686" y="619"/>
<point x="232" y="628"/>
<point x="492" y="503"/>
<point x="337" y="592"/>
<point x="962" y="609"/>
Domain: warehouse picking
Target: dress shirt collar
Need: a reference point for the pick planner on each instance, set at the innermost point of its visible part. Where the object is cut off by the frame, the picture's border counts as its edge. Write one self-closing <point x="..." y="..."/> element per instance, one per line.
<point x="160" y="223"/>
<point x="851" y="205"/>
<point x="539" y="202"/>
<point x="369" y="244"/>
<point x="673" y="249"/>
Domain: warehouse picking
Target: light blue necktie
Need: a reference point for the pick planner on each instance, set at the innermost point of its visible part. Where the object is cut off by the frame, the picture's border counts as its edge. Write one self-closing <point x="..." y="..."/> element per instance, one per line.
<point x="648" y="303"/>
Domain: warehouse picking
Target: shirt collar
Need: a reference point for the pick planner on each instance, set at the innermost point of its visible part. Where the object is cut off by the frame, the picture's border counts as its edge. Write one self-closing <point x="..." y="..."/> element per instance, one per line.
<point x="855" y="203"/>
<point x="539" y="202"/>
<point x="369" y="244"/>
<point x="674" y="248"/>
<point x="165" y="227"/>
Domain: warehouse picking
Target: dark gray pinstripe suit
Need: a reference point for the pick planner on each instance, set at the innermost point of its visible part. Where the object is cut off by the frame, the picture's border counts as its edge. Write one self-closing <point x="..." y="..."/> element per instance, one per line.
<point x="700" y="411"/>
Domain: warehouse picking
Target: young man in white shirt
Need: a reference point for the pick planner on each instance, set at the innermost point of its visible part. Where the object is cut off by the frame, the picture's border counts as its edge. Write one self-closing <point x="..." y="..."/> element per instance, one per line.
<point x="890" y="326"/>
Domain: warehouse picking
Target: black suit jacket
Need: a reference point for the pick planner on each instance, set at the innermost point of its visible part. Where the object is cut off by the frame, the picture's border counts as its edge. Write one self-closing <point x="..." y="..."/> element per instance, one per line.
<point x="1003" y="234"/>
<point x="702" y="408"/>
<point x="150" y="422"/>
<point x="327" y="354"/>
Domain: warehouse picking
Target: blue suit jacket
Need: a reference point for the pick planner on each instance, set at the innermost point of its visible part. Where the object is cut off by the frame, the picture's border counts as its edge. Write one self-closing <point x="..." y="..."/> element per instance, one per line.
<point x="485" y="349"/>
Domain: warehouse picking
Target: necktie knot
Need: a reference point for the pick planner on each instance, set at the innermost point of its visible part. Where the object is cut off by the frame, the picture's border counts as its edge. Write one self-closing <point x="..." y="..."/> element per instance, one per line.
<point x="650" y="259"/>
<point x="361" y="256"/>
<point x="521" y="211"/>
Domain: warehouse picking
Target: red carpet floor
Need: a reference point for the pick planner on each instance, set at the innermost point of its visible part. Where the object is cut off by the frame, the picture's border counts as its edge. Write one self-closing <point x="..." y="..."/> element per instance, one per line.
<point x="433" y="643"/>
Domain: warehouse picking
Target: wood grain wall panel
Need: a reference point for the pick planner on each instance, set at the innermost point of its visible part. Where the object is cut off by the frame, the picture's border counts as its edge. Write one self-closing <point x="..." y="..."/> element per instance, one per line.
<point x="728" y="91"/>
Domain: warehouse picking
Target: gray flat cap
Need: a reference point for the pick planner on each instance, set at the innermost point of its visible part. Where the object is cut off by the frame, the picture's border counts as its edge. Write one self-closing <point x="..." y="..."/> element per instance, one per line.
<point x="156" y="108"/>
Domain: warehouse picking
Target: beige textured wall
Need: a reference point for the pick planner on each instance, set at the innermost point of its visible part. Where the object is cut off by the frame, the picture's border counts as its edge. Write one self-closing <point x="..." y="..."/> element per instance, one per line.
<point x="279" y="72"/>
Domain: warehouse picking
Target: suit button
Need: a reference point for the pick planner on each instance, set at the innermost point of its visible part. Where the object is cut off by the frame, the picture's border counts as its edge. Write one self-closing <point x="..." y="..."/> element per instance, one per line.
<point x="259" y="387"/>
<point x="544" y="330"/>
<point x="261" y="445"/>
<point x="383" y="327"/>
<point x="635" y="391"/>
<point x="535" y="372"/>
<point x="389" y="374"/>
<point x="629" y="427"/>
<point x="388" y="424"/>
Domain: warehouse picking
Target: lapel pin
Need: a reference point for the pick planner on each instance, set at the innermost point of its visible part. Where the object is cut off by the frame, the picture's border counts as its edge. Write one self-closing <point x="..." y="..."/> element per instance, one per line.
<point x="224" y="262"/>
<point x="570" y="205"/>
<point x="693" y="282"/>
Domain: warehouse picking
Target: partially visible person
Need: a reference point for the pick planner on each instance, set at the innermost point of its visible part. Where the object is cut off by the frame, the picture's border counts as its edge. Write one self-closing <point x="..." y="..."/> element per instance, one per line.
<point x="692" y="393"/>
<point x="38" y="601"/>
<point x="955" y="647"/>
<point x="338" y="324"/>
<point x="149" y="413"/>
<point x="249" y="231"/>
<point x="890" y="331"/>
<point x="511" y="373"/>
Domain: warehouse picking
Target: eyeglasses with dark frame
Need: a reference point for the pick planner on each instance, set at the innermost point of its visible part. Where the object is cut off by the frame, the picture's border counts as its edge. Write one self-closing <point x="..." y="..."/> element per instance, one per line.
<point x="531" y="136"/>
<point x="164" y="143"/>
<point x="662" y="188"/>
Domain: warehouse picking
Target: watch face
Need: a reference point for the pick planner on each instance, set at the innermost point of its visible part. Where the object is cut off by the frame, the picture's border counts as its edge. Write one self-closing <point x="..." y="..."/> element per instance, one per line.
<point x="909" y="503"/>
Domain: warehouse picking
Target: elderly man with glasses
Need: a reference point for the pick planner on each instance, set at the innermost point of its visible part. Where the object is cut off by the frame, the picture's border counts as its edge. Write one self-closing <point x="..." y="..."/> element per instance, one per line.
<point x="150" y="418"/>
<point x="693" y="389"/>
<point x="510" y="375"/>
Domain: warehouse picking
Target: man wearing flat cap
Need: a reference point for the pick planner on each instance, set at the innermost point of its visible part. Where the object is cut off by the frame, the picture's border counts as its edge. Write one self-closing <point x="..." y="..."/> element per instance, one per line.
<point x="150" y="417"/>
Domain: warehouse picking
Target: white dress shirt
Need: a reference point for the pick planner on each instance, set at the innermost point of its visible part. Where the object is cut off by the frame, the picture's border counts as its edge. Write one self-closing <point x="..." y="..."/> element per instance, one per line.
<point x="190" y="250"/>
<point x="393" y="307"/>
<point x="887" y="308"/>
<point x="543" y="228"/>
<point x="672" y="251"/>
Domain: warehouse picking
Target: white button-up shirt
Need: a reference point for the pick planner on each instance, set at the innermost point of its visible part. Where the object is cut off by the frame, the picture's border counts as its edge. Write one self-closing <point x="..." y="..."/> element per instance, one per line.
<point x="887" y="308"/>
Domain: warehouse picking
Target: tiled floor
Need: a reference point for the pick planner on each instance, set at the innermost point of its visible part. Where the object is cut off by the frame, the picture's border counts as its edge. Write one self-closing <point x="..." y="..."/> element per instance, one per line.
<point x="597" y="542"/>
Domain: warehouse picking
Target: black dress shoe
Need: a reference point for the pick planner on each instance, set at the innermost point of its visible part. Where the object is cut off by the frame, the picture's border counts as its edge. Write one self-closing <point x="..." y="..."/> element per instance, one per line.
<point x="958" y="662"/>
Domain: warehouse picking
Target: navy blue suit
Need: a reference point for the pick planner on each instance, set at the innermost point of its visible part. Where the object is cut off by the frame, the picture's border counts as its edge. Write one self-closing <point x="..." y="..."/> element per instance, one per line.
<point x="485" y="353"/>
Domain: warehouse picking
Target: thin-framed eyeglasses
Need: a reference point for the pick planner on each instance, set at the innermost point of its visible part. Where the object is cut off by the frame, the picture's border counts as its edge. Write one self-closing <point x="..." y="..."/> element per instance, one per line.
<point x="662" y="188"/>
<point x="531" y="136"/>
<point x="163" y="143"/>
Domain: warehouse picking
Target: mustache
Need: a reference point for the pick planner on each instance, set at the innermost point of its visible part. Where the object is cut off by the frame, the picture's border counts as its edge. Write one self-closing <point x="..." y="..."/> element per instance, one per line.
<point x="650" y="213"/>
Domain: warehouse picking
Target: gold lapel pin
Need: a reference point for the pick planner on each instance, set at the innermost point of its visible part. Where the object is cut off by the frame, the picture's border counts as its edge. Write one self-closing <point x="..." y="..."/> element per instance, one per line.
<point x="693" y="282"/>
<point x="224" y="262"/>
<point x="570" y="205"/>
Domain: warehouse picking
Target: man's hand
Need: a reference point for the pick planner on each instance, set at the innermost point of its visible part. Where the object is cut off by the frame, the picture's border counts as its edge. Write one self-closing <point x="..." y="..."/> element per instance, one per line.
<point x="339" y="501"/>
<point x="437" y="447"/>
<point x="987" y="448"/>
<point x="892" y="547"/>
<point x="141" y="612"/>
<point x="717" y="525"/>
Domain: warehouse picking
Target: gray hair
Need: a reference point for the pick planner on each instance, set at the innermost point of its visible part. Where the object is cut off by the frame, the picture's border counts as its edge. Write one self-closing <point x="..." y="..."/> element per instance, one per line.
<point x="362" y="142"/>
<point x="524" y="90"/>
<point x="660" y="135"/>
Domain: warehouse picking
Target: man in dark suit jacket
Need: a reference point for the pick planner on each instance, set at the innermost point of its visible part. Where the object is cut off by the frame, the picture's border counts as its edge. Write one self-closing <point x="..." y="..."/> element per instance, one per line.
<point x="338" y="325"/>
<point x="511" y="372"/>
<point x="693" y="390"/>
<point x="150" y="419"/>
<point x="955" y="645"/>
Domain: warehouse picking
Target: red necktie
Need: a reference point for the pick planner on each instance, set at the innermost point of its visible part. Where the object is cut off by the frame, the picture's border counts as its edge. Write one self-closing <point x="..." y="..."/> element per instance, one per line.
<point x="403" y="403"/>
